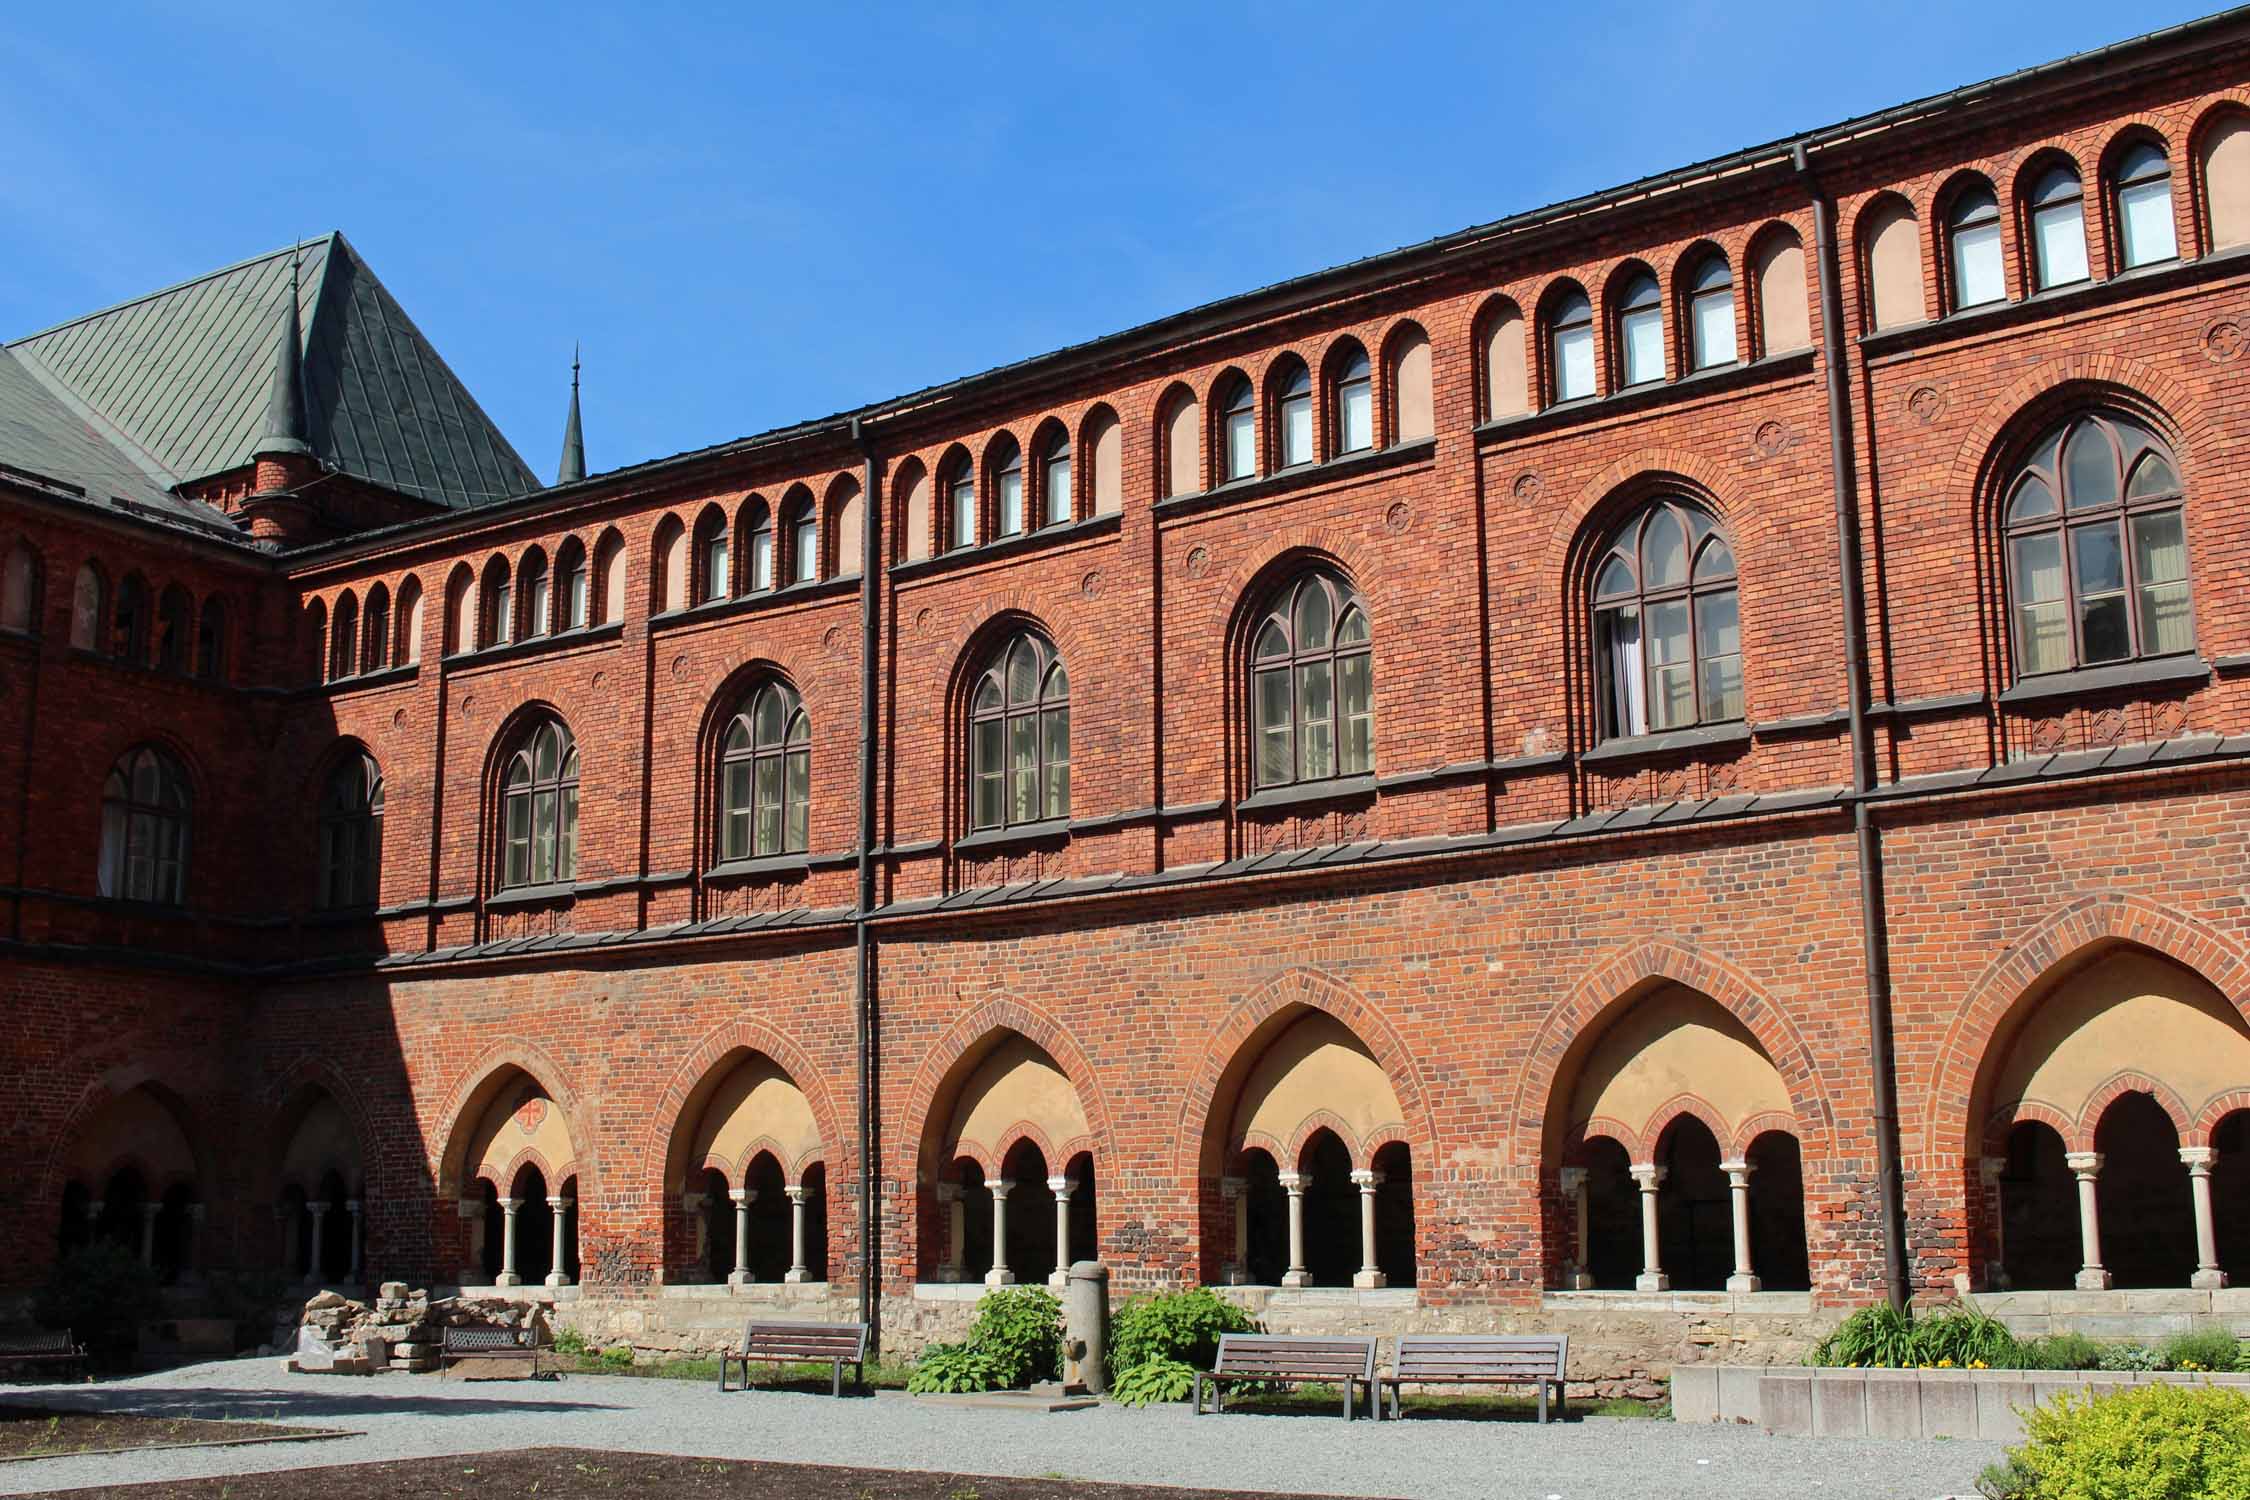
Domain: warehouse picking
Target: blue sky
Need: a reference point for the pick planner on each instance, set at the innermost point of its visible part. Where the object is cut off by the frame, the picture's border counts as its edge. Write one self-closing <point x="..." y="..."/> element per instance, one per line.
<point x="757" y="213"/>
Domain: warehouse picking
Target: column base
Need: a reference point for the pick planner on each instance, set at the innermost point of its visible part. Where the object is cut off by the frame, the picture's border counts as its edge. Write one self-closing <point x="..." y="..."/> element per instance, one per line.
<point x="2208" y="1281"/>
<point x="1741" y="1283"/>
<point x="949" y="1275"/>
<point x="741" y="1278"/>
<point x="557" y="1278"/>
<point x="1296" y="1278"/>
<point x="999" y="1276"/>
<point x="1233" y="1275"/>
<point x="1579" y="1281"/>
<point x="796" y="1275"/>
<point x="1652" y="1281"/>
<point x="1368" y="1281"/>
<point x="2094" y="1279"/>
<point x="507" y="1278"/>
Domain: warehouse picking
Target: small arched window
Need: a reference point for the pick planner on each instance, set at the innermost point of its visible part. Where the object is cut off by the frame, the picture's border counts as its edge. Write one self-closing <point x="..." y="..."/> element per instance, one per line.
<point x="2058" y="228"/>
<point x="375" y="631"/>
<point x="1640" y="331"/>
<point x="609" y="577"/>
<point x="1972" y="232"/>
<point x="1312" y="684"/>
<point x="343" y="637"/>
<point x="538" y="596"/>
<point x="1355" y="403"/>
<point x="351" y="834"/>
<point x="1238" y="429"/>
<point x="804" y="541"/>
<point x="572" y="600"/>
<point x="128" y="629"/>
<point x="1293" y="415"/>
<point x="89" y="599"/>
<point x="1570" y="348"/>
<point x="961" y="505"/>
<point x="1019" y="736"/>
<point x="1711" y="313"/>
<point x="173" y="624"/>
<point x="714" y="556"/>
<point x="2223" y="155"/>
<point x="761" y="548"/>
<point x="496" y="618"/>
<point x="539" y="809"/>
<point x="1006" y="468"/>
<point x="2145" y="234"/>
<point x="1667" y="629"/>
<point x="1055" y="493"/>
<point x="19" y="590"/>
<point x="765" y="776"/>
<point x="145" y="810"/>
<point x="2097" y="548"/>
<point x="211" y="639"/>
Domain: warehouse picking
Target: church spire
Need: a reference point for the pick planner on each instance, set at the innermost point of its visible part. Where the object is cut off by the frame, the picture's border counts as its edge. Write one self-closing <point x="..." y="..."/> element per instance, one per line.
<point x="573" y="465"/>
<point x="285" y="404"/>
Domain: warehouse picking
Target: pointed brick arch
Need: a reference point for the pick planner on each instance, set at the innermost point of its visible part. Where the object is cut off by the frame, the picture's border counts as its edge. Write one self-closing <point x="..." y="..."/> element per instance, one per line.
<point x="744" y="1033"/>
<point x="528" y="1058"/>
<point x="101" y="1093"/>
<point x="2038" y="397"/>
<point x="1001" y="1015"/>
<point x="314" y="1072"/>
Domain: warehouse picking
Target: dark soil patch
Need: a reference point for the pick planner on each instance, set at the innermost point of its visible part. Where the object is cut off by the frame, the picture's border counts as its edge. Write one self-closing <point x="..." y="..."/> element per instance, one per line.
<point x="579" y="1473"/>
<point x="45" y="1432"/>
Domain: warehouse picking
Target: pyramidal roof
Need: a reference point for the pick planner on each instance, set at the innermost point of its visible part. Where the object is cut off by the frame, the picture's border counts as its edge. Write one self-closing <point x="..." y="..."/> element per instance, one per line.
<point x="178" y="381"/>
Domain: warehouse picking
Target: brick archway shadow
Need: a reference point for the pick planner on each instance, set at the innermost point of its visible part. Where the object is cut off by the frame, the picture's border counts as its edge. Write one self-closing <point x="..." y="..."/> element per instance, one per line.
<point x="111" y="1086"/>
<point x="739" y="1034"/>
<point x="530" y="1059"/>
<point x="1001" y="1014"/>
<point x="314" y="1072"/>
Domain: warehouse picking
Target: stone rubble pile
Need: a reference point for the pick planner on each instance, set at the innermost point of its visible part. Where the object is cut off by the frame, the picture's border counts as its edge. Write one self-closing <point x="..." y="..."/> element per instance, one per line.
<point x="403" y="1330"/>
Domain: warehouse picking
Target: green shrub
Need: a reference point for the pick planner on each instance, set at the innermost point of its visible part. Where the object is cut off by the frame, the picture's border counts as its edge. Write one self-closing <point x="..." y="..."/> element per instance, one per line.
<point x="2151" y="1442"/>
<point x="570" y="1342"/>
<point x="946" y="1368"/>
<point x="102" y="1294"/>
<point x="1963" y="1337"/>
<point x="1877" y="1337"/>
<point x="1018" y="1332"/>
<point x="1178" y="1327"/>
<point x="2126" y="1358"/>
<point x="1155" y="1380"/>
<point x="618" y="1357"/>
<point x="2204" y="1349"/>
<point x="2062" y="1351"/>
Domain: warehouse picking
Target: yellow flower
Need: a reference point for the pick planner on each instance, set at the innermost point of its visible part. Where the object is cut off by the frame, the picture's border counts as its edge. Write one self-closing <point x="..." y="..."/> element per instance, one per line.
<point x="1945" y="1363"/>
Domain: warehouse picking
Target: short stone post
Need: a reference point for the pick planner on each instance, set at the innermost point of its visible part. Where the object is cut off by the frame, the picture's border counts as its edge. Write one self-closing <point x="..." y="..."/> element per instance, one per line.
<point x="1237" y="1271"/>
<point x="1369" y="1275"/>
<point x="507" y="1276"/>
<point x="352" y="1208"/>
<point x="796" y="1272"/>
<point x="743" y="1198"/>
<point x="1086" y="1326"/>
<point x="1738" y="1172"/>
<point x="558" y="1212"/>
<point x="1058" y="1280"/>
<point x="1293" y="1183"/>
<point x="956" y="1229"/>
<point x="1648" y="1178"/>
<point x="2086" y="1166"/>
<point x="149" y="1211"/>
<point x="1572" y="1180"/>
<point x="2208" y="1277"/>
<point x="1991" y="1170"/>
<point x="1000" y="1275"/>
<point x="319" y="1211"/>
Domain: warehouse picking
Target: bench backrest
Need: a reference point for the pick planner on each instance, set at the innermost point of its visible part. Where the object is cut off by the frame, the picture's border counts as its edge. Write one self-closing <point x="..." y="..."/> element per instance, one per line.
<point x="477" y="1340"/>
<point x="35" y="1344"/>
<point x="1294" y="1356"/>
<point x="806" y="1341"/>
<point x="1461" y="1356"/>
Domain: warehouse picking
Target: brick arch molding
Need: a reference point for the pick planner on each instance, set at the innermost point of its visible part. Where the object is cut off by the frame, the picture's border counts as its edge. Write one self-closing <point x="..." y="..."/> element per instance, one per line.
<point x="110" y="1086"/>
<point x="1003" y="1013"/>
<point x="318" y="1072"/>
<point x="757" y="1036"/>
<point x="528" y="1058"/>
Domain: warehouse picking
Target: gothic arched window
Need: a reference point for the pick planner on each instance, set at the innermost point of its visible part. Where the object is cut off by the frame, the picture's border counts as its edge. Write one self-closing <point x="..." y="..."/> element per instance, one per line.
<point x="145" y="807"/>
<point x="765" y="776"/>
<point x="1667" y="628"/>
<point x="1019" y="736"/>
<point x="1312" y="684"/>
<point x="351" y="834"/>
<point x="2097" y="548"/>
<point x="539" y="809"/>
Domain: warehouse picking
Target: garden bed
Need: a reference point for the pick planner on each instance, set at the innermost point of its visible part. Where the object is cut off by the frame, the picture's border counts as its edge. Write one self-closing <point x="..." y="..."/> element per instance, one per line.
<point x="28" y="1432"/>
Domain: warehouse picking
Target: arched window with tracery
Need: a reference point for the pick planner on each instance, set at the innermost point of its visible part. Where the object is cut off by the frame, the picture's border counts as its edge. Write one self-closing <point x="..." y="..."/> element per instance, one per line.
<point x="765" y="776"/>
<point x="539" y="809"/>
<point x="1667" y="627"/>
<point x="2097" y="548"/>
<point x="145" y="810"/>
<point x="351" y="834"/>
<point x="1312" y="684"/>
<point x="1019" y="736"/>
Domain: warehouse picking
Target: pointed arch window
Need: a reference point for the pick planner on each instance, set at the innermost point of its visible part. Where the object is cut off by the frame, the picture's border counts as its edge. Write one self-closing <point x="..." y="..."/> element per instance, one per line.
<point x="89" y="600"/>
<point x="765" y="776"/>
<point x="172" y="616"/>
<point x="1355" y="404"/>
<point x="1640" y="331"/>
<point x="145" y="811"/>
<point x="714" y="556"/>
<point x="1972" y="231"/>
<point x="539" y="809"/>
<point x="1570" y="348"/>
<point x="1711" y="313"/>
<point x="571" y="597"/>
<point x="1019" y="736"/>
<point x="2145" y="232"/>
<point x="211" y="640"/>
<point x="961" y="506"/>
<point x="2097" y="548"/>
<point x="1312" y="685"/>
<point x="351" y="834"/>
<point x="1667" y="625"/>
<point x="1055" y="481"/>
<point x="2058" y="228"/>
<point x="1293" y="416"/>
<point x="129" y="629"/>
<point x="19" y="590"/>
<point x="761" y="548"/>
<point x="1238" y="429"/>
<point x="1007" y="489"/>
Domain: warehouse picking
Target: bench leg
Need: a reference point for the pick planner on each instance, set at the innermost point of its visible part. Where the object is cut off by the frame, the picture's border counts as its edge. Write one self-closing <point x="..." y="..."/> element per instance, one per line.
<point x="836" y="1379"/>
<point x="1542" y="1403"/>
<point x="1199" y="1393"/>
<point x="1562" y="1402"/>
<point x="1351" y="1397"/>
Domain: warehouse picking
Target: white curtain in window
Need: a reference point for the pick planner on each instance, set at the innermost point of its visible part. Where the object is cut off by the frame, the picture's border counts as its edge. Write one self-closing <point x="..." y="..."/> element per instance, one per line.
<point x="1977" y="276"/>
<point x="2160" y="564"/>
<point x="1358" y="416"/>
<point x="2144" y="214"/>
<point x="1628" y="684"/>
<point x="2061" y="235"/>
<point x="1574" y="363"/>
<point x="1644" y="346"/>
<point x="1714" y="329"/>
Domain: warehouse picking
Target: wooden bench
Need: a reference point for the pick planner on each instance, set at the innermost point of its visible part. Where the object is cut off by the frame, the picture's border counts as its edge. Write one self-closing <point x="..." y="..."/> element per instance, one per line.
<point x="39" y="1348"/>
<point x="1288" y="1359"/>
<point x="832" y="1344"/>
<point x="489" y="1344"/>
<point x="1480" y="1359"/>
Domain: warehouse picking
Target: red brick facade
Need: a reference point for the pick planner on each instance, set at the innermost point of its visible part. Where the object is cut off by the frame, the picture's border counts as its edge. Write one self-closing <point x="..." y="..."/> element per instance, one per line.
<point x="1476" y="913"/>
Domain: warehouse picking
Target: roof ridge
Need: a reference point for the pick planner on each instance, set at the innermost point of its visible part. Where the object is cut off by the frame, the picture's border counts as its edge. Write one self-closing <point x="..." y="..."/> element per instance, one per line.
<point x="295" y="247"/>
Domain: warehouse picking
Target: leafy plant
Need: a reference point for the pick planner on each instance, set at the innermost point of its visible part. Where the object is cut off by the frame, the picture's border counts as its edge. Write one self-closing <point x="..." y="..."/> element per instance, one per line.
<point x="2128" y="1357"/>
<point x="2149" y="1442"/>
<point x="1155" y="1380"/>
<point x="2204" y="1349"/>
<point x="1018" y="1332"/>
<point x="2062" y="1351"/>
<point x="945" y="1368"/>
<point x="102" y="1293"/>
<point x="1963" y="1337"/>
<point x="618" y="1357"/>
<point x="571" y="1343"/>
<point x="1178" y="1327"/>
<point x="1879" y="1337"/>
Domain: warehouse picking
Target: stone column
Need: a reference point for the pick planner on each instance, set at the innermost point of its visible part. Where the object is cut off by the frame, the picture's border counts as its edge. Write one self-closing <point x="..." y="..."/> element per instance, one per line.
<point x="1368" y="1276"/>
<point x="743" y="1198"/>
<point x="1990" y="1169"/>
<point x="1745" y="1277"/>
<point x="1059" y="1279"/>
<point x="956" y="1229"/>
<point x="2086" y="1166"/>
<point x="797" y="1271"/>
<point x="507" y="1276"/>
<point x="558" y="1212"/>
<point x="1648" y="1178"/>
<point x="2208" y="1277"/>
<point x="1237" y="1271"/>
<point x="1293" y="1183"/>
<point x="1000" y="1275"/>
<point x="352" y="1207"/>
<point x="1576" y="1277"/>
<point x="149" y="1211"/>
<point x="318" y="1208"/>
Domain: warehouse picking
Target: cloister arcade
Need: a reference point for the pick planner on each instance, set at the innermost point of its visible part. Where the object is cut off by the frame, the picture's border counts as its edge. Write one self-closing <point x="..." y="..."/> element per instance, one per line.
<point x="747" y="1166"/>
<point x="320" y="1191"/>
<point x="521" y="1198"/>
<point x="131" y="1177"/>
<point x="1009" y="1156"/>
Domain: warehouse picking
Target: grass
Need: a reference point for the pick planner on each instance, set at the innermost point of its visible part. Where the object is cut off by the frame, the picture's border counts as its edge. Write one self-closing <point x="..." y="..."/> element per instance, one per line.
<point x="881" y="1375"/>
<point x="1325" y="1400"/>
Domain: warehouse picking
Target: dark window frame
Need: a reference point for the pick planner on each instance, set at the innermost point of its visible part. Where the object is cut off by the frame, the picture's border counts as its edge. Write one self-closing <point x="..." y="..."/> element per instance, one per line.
<point x="145" y="829"/>
<point x="1569" y="312"/>
<point x="746" y="751"/>
<point x="350" y="826"/>
<point x="1279" y="653"/>
<point x="549" y="857"/>
<point x="1355" y="373"/>
<point x="1004" y="708"/>
<point x="1058" y="452"/>
<point x="1293" y="390"/>
<point x="1973" y="208"/>
<point x="1237" y="460"/>
<point x="1641" y="298"/>
<point x="2157" y="167"/>
<point x="1703" y="535"/>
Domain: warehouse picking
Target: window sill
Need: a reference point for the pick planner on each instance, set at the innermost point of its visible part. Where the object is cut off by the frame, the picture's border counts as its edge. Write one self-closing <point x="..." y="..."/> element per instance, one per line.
<point x="1986" y="316"/>
<point x="1300" y="476"/>
<point x="2163" y="672"/>
<point x="1706" y="737"/>
<point x="1053" y="829"/>
<point x="742" y="604"/>
<point x="1307" y="793"/>
<point x="388" y="677"/>
<point x="1008" y="546"/>
<point x="560" y="640"/>
<point x="772" y="864"/>
<point x="1649" y="393"/>
<point x="531" y="895"/>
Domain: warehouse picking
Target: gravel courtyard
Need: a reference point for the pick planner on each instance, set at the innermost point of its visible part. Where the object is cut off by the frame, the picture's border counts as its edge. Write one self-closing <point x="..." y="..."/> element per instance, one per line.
<point x="406" y="1416"/>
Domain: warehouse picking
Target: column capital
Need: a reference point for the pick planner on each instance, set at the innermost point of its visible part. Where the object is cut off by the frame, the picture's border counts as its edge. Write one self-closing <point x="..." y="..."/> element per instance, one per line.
<point x="508" y="1206"/>
<point x="693" y="1202"/>
<point x="1648" y="1175"/>
<point x="1292" y="1183"/>
<point x="1991" y="1169"/>
<point x="1061" y="1186"/>
<point x="557" y="1204"/>
<point x="2197" y="1159"/>
<point x="2083" y="1163"/>
<point x="794" y="1192"/>
<point x="351" y="1205"/>
<point x="1571" y="1179"/>
<point x="1002" y="1187"/>
<point x="318" y="1205"/>
<point x="151" y="1210"/>
<point x="1230" y="1188"/>
<point x="1738" y="1164"/>
<point x="1366" y="1179"/>
<point x="949" y="1192"/>
<point x="743" y="1196"/>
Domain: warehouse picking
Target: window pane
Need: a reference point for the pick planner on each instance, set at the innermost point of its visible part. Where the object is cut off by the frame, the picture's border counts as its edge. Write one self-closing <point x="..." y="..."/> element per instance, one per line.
<point x="2042" y="630"/>
<point x="1671" y="673"/>
<point x="769" y="718"/>
<point x="1355" y="415"/>
<point x="2160" y="563"/>
<point x="109" y="879"/>
<point x="1271" y="641"/>
<point x="1313" y="618"/>
<point x="2144" y="218"/>
<point x="799" y="799"/>
<point x="1718" y="636"/>
<point x="1241" y="440"/>
<point x="2089" y="468"/>
<point x="1023" y="673"/>
<point x="1058" y="490"/>
<point x="2153" y="477"/>
<point x="1058" y="762"/>
<point x="1617" y="635"/>
<point x="1664" y="551"/>
<point x="987" y="748"/>
<point x="1574" y="363"/>
<point x="761" y="559"/>
<point x="987" y="811"/>
<point x="734" y="832"/>
<point x="575" y="595"/>
<point x="542" y="837"/>
<point x="1011" y="502"/>
<point x="804" y="546"/>
<point x="1296" y="430"/>
<point x="964" y="510"/>
<point x="715" y="566"/>
<point x="1351" y="630"/>
<point x="1642" y="334"/>
<point x="1273" y="727"/>
<point x="1977" y="276"/>
<point x="769" y="804"/>
<point x="1616" y="578"/>
<point x="1315" y="710"/>
<point x="1023" y="766"/>
<point x="2058" y="238"/>
<point x="2099" y="563"/>
<point x="1713" y="313"/>
<point x="1355" y="685"/>
<point x="2032" y="500"/>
